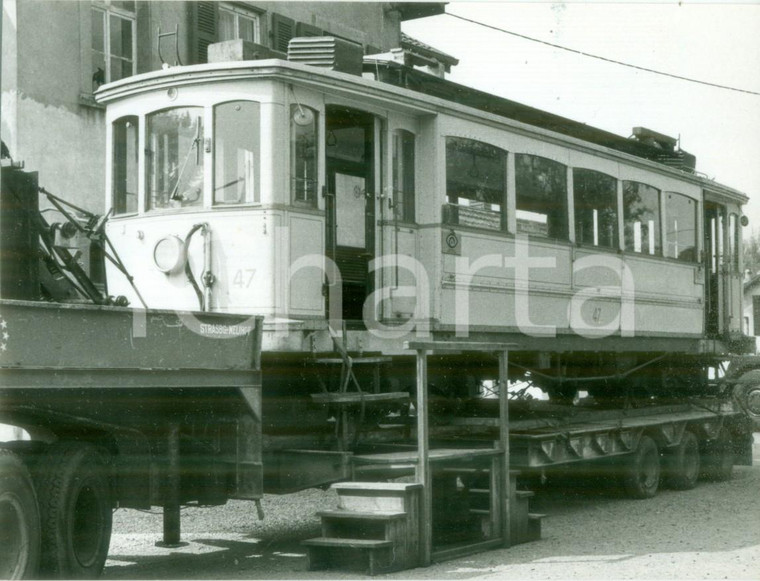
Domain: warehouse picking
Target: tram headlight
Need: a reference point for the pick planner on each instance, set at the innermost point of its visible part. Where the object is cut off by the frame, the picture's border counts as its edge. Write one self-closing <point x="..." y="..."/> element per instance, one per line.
<point x="169" y="254"/>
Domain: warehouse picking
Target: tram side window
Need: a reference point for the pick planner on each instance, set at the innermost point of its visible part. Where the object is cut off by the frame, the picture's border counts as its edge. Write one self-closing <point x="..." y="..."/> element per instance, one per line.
<point x="174" y="158"/>
<point x="403" y="175"/>
<point x="124" y="174"/>
<point x="303" y="155"/>
<point x="541" y="190"/>
<point x="641" y="217"/>
<point x="681" y="227"/>
<point x="476" y="177"/>
<point x="596" y="211"/>
<point x="236" y="153"/>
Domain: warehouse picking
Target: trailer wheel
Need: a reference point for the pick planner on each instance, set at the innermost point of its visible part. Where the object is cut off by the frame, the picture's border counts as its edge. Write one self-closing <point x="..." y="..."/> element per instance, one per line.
<point x="681" y="465"/>
<point x="748" y="396"/>
<point x="75" y="511"/>
<point x="19" y="520"/>
<point x="718" y="458"/>
<point x="641" y="476"/>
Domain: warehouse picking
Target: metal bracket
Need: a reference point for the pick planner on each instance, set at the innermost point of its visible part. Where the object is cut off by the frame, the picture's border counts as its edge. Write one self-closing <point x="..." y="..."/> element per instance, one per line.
<point x="175" y="34"/>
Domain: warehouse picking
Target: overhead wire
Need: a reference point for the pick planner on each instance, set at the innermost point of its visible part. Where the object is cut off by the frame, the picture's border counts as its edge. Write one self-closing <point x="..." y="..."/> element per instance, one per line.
<point x="602" y="58"/>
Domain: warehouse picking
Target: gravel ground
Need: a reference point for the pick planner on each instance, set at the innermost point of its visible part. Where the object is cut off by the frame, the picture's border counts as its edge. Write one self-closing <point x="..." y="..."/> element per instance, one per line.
<point x="711" y="532"/>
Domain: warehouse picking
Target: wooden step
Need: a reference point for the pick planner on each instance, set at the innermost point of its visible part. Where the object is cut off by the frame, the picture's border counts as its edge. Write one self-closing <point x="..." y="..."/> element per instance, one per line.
<point x="380" y="487"/>
<point x="383" y="472"/>
<point x="347" y="543"/>
<point x="354" y="360"/>
<point x="534" y="527"/>
<point x="327" y="552"/>
<point x="354" y="397"/>
<point x="375" y="496"/>
<point x="359" y="515"/>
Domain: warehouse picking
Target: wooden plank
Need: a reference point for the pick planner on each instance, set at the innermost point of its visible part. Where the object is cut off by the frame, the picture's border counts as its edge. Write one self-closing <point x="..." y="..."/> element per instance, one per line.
<point x="423" y="466"/>
<point x="434" y="455"/>
<point x="457" y="346"/>
<point x="354" y="360"/>
<point x="347" y="543"/>
<point x="463" y="550"/>
<point x="357" y="515"/>
<point x="505" y="484"/>
<point x="357" y="398"/>
<point x="379" y="486"/>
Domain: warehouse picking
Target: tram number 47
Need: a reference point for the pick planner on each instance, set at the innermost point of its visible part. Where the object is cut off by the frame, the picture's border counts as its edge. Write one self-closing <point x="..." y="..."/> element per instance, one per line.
<point x="243" y="277"/>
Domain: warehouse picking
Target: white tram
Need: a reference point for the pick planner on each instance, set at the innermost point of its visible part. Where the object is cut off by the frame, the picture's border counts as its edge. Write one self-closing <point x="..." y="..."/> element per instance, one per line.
<point x="356" y="212"/>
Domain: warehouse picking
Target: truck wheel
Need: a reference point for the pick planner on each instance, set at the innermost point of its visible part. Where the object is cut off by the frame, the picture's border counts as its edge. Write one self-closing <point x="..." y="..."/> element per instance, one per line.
<point x="718" y="458"/>
<point x="748" y="396"/>
<point x="681" y="465"/>
<point x="75" y="511"/>
<point x="641" y="475"/>
<point x="19" y="520"/>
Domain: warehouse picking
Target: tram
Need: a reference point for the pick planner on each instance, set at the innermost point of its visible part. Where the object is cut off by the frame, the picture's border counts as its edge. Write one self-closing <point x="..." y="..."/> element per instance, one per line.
<point x="360" y="208"/>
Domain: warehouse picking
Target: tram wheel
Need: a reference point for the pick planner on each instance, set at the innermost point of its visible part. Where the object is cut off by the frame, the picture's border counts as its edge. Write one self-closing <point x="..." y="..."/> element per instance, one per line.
<point x="75" y="511"/>
<point x="19" y="520"/>
<point x="641" y="476"/>
<point x="681" y="465"/>
<point x="718" y="458"/>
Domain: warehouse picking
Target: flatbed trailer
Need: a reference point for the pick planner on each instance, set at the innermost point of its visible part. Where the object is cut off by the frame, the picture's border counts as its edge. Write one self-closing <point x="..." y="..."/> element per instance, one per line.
<point x="125" y="408"/>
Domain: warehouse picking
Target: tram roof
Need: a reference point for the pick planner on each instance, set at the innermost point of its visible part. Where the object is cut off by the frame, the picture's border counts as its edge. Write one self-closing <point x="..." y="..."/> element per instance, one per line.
<point x="421" y="92"/>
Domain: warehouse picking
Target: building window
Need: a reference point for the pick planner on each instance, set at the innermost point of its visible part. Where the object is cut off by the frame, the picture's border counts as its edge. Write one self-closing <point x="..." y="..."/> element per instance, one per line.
<point x="174" y="158"/>
<point x="113" y="41"/>
<point x="124" y="165"/>
<point x="596" y="215"/>
<point x="236" y="153"/>
<point x="756" y="315"/>
<point x="403" y="175"/>
<point x="303" y="155"/>
<point x="641" y="217"/>
<point x="681" y="227"/>
<point x="541" y="196"/>
<point x="237" y="23"/>
<point x="476" y="178"/>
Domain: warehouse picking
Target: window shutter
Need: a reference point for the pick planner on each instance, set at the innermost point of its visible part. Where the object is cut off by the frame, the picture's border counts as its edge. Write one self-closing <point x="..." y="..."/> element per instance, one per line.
<point x="205" y="29"/>
<point x="756" y="315"/>
<point x="283" y="29"/>
<point x="303" y="29"/>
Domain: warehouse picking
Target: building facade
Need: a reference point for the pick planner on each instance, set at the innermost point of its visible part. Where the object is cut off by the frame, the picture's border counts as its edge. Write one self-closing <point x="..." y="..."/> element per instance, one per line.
<point x="50" y="119"/>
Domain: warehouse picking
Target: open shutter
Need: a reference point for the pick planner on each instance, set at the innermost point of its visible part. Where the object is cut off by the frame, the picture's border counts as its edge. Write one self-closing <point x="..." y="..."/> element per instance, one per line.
<point x="303" y="29"/>
<point x="283" y="29"/>
<point x="205" y="29"/>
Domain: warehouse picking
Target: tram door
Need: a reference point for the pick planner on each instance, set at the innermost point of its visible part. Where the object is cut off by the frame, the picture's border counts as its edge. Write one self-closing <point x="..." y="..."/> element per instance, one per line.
<point x="715" y="269"/>
<point x="350" y="154"/>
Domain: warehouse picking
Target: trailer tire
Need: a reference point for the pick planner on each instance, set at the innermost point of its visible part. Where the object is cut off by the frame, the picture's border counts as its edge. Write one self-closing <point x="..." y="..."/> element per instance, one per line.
<point x="75" y="511"/>
<point x="748" y="396"/>
<point x="641" y="474"/>
<point x="681" y="466"/>
<point x="19" y="520"/>
<point x="718" y="458"/>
